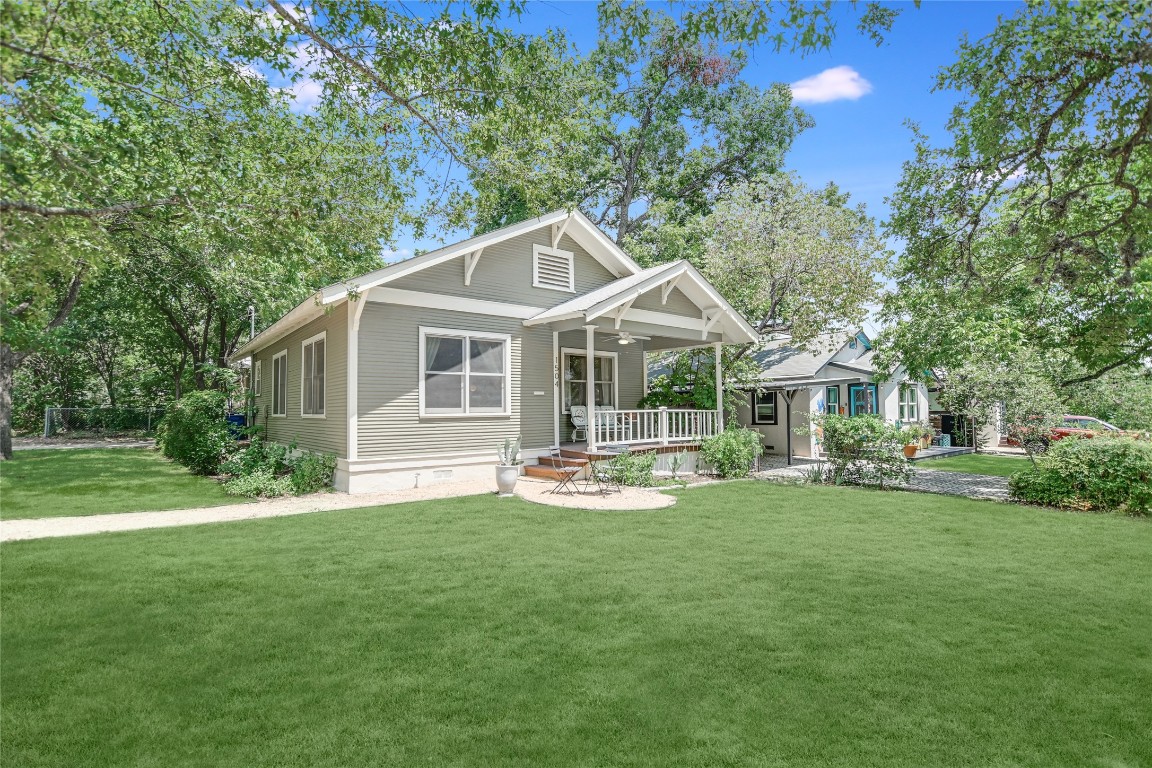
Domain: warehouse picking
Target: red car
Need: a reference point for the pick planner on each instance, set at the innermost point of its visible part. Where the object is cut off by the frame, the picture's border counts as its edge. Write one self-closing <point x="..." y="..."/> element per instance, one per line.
<point x="1075" y="426"/>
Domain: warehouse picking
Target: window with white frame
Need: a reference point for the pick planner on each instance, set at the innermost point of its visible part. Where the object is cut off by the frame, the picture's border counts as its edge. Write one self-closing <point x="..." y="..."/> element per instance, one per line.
<point x="909" y="403"/>
<point x="280" y="384"/>
<point x="553" y="269"/>
<point x="464" y="373"/>
<point x="256" y="377"/>
<point x="763" y="407"/>
<point x="312" y="376"/>
<point x="575" y="371"/>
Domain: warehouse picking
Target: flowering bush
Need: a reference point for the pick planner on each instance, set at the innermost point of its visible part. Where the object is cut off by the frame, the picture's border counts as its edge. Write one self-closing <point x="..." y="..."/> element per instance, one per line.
<point x="732" y="452"/>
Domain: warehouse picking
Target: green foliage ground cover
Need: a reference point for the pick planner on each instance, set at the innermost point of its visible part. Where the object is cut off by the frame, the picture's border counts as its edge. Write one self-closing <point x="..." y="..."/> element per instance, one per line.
<point x="751" y="624"/>
<point x="64" y="482"/>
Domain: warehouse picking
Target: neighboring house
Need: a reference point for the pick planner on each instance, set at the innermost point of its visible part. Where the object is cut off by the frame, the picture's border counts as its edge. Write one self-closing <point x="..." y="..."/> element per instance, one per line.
<point x="414" y="373"/>
<point x="839" y="378"/>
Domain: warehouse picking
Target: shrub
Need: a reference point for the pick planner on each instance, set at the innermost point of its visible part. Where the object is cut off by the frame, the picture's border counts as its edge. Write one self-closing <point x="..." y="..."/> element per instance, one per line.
<point x="862" y="450"/>
<point x="1102" y="473"/>
<point x="194" y="432"/>
<point x="732" y="452"/>
<point x="269" y="469"/>
<point x="312" y="472"/>
<point x="635" y="469"/>
<point x="259" y="483"/>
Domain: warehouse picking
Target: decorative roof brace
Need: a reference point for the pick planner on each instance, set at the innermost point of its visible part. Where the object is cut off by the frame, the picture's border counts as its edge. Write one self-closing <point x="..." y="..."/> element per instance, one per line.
<point x="470" y="262"/>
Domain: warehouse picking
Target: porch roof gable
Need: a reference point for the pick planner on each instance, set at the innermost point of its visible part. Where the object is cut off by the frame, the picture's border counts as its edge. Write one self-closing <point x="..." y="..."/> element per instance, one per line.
<point x="679" y="274"/>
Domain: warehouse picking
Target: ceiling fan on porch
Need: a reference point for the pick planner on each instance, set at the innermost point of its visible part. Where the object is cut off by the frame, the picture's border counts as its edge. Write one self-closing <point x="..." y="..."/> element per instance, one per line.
<point x="624" y="337"/>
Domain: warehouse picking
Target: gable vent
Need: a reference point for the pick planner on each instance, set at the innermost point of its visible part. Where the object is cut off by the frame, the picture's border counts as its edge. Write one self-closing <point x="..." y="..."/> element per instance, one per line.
<point x="552" y="269"/>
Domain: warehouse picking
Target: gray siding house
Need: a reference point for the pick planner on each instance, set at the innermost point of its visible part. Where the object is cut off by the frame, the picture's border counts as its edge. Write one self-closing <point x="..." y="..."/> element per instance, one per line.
<point x="839" y="377"/>
<point x="413" y="374"/>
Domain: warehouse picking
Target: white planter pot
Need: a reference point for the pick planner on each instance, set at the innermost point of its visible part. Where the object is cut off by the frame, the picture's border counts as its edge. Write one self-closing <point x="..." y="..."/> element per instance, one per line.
<point x="506" y="476"/>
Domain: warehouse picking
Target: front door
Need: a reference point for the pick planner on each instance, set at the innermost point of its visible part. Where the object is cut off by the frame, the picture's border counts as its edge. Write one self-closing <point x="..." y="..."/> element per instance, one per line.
<point x="862" y="398"/>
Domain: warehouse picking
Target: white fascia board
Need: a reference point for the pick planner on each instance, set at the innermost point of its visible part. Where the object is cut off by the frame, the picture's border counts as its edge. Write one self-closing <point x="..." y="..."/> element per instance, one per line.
<point x="454" y="303"/>
<point x="741" y="329"/>
<point x="303" y="313"/>
<point x="635" y="291"/>
<point x="625" y="264"/>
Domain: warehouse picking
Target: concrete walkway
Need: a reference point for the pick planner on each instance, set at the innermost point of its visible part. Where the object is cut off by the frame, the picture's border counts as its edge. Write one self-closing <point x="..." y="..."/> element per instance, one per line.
<point x="528" y="489"/>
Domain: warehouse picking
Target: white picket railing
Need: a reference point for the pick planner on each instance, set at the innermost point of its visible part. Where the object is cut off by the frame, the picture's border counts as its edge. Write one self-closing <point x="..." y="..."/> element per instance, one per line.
<point x="662" y="425"/>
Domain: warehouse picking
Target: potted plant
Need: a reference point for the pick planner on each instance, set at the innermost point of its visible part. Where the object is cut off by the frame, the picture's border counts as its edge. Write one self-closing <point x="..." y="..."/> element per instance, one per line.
<point x="508" y="466"/>
<point x="926" y="434"/>
<point x="911" y="437"/>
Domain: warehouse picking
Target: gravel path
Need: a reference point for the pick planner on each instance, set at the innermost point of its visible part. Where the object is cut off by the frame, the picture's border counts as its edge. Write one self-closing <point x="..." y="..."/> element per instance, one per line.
<point x="959" y="484"/>
<point x="923" y="480"/>
<point x="528" y="489"/>
<point x="47" y="443"/>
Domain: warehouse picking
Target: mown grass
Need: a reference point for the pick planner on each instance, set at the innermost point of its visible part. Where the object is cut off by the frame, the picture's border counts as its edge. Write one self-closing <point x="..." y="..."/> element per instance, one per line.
<point x="979" y="464"/>
<point x="753" y="624"/>
<point x="62" y="482"/>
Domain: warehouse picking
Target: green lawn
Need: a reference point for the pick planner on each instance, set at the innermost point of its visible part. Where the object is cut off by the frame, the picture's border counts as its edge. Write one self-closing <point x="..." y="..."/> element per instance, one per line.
<point x="751" y="625"/>
<point x="60" y="482"/>
<point x="979" y="464"/>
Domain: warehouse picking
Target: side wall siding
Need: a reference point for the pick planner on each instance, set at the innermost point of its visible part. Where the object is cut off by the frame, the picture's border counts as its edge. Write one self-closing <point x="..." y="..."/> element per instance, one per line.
<point x="390" y="425"/>
<point x="326" y="435"/>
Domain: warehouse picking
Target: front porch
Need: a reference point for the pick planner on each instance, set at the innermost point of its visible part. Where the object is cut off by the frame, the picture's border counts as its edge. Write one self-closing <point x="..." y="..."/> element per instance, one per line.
<point x="599" y="343"/>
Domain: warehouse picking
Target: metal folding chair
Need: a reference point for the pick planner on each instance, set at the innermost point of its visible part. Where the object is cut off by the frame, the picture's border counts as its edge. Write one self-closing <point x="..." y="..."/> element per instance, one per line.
<point x="604" y="474"/>
<point x="567" y="483"/>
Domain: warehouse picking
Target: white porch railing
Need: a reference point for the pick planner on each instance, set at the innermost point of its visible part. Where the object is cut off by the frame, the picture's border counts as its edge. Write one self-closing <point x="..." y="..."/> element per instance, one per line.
<point x="662" y="425"/>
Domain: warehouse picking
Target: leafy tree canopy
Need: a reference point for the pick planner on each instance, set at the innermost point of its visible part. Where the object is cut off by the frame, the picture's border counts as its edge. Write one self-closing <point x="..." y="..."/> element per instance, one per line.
<point x="1039" y="212"/>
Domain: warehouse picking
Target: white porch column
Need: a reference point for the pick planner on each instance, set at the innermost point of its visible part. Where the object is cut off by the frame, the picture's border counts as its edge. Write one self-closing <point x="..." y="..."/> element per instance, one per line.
<point x="590" y="382"/>
<point x="719" y="347"/>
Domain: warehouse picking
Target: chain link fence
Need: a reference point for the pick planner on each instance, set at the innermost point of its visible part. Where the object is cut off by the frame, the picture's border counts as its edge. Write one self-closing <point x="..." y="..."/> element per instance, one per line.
<point x="103" y="422"/>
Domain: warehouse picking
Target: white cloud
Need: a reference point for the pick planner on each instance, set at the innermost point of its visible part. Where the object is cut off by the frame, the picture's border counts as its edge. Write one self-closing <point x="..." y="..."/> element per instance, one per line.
<point x="307" y="93"/>
<point x="833" y="84"/>
<point x="389" y="254"/>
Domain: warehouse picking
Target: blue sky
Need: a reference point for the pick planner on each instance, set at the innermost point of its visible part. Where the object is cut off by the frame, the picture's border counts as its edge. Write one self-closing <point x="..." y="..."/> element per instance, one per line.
<point x="860" y="140"/>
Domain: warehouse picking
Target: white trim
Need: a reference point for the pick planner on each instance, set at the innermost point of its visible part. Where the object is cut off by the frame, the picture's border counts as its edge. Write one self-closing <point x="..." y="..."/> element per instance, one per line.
<point x="543" y="250"/>
<point x="352" y="383"/>
<point x="406" y="298"/>
<point x="312" y="340"/>
<point x="425" y="331"/>
<point x="283" y="400"/>
<point x="710" y="316"/>
<point x="578" y="352"/>
<point x="666" y="289"/>
<point x="557" y="360"/>
<point x="470" y="262"/>
<point x="257" y="378"/>
<point x="558" y="231"/>
<point x="665" y="319"/>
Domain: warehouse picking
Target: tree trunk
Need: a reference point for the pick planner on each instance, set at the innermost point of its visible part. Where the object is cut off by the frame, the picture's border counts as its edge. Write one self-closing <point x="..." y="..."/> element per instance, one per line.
<point x="9" y="361"/>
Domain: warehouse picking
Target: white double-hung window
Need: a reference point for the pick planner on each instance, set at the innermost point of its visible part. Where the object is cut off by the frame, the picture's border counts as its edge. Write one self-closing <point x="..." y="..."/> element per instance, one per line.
<point x="464" y="373"/>
<point x="280" y="383"/>
<point x="312" y="377"/>
<point x="909" y="403"/>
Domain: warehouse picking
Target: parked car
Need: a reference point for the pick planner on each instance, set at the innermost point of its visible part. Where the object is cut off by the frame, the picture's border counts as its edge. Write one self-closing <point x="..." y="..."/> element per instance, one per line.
<point x="1074" y="426"/>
